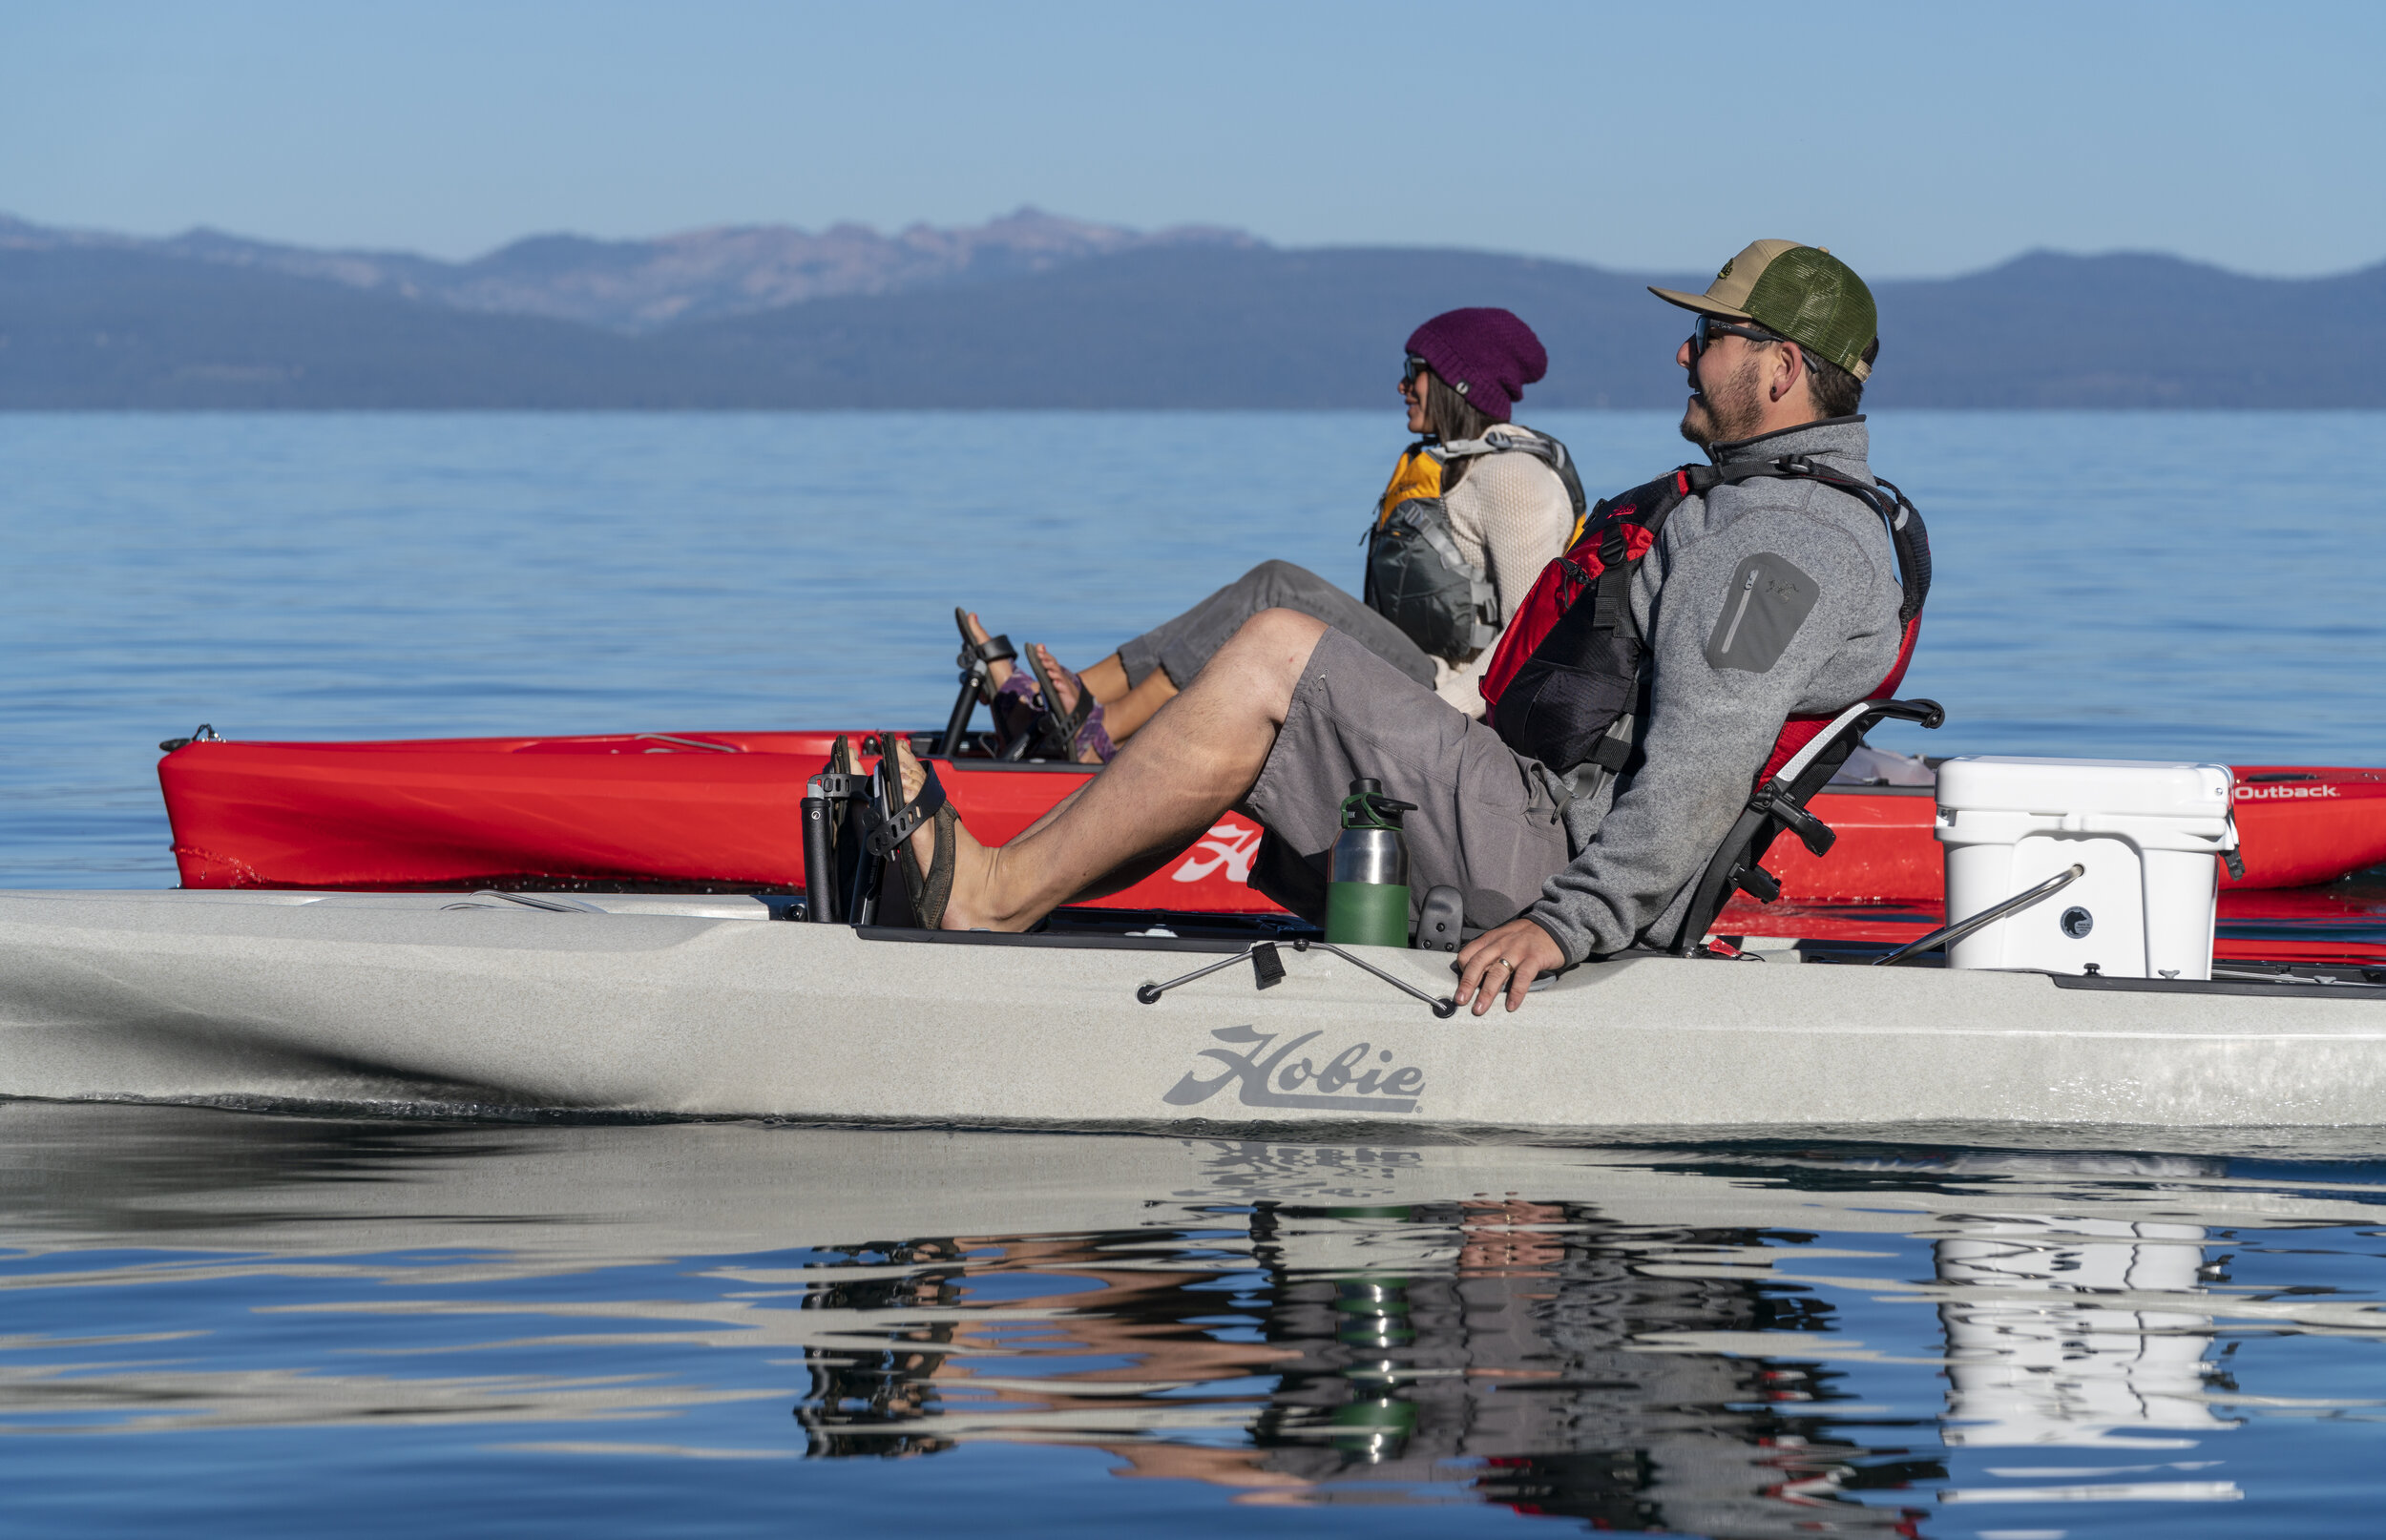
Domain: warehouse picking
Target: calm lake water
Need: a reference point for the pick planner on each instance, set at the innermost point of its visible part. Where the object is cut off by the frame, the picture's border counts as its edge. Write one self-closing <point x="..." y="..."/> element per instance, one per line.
<point x="2184" y="585"/>
<point x="236" y="1323"/>
<point x="227" y="1325"/>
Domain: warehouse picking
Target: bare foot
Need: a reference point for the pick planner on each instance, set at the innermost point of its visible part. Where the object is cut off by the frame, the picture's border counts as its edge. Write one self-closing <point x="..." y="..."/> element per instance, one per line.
<point x="972" y="863"/>
<point x="999" y="670"/>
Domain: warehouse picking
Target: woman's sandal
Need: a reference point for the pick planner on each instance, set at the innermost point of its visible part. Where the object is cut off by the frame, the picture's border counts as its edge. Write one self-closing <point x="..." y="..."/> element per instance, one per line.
<point x="1080" y="732"/>
<point x="982" y="655"/>
<point x="896" y="821"/>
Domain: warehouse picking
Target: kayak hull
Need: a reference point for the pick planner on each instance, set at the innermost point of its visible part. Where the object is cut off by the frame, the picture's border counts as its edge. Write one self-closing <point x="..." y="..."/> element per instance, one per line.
<point x="704" y="1007"/>
<point x="718" y="811"/>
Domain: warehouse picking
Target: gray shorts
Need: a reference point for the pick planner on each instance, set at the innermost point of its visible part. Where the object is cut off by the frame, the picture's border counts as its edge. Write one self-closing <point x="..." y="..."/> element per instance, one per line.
<point x="1485" y="824"/>
<point x="1184" y="646"/>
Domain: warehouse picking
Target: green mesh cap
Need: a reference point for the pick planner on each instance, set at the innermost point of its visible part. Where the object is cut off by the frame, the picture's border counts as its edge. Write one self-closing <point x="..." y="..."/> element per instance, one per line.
<point x="1803" y="292"/>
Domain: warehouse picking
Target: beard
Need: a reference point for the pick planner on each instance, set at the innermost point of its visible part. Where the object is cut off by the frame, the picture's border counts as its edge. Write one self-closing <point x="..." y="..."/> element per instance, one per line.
<point x="1730" y="411"/>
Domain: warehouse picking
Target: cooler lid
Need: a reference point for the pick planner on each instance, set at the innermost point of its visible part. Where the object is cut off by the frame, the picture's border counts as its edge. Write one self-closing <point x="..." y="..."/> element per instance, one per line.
<point x="2145" y="787"/>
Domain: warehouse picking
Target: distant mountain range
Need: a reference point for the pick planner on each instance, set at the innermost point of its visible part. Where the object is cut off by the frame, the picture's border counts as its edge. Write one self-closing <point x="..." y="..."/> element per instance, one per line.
<point x="638" y="285"/>
<point x="1033" y="311"/>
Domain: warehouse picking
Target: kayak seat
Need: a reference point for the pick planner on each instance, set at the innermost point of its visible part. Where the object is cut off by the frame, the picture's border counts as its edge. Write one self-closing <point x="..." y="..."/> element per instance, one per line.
<point x="1780" y="804"/>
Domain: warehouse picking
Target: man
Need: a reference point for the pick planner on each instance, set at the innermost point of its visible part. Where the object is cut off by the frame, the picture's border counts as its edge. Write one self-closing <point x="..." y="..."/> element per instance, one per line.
<point x="1562" y="865"/>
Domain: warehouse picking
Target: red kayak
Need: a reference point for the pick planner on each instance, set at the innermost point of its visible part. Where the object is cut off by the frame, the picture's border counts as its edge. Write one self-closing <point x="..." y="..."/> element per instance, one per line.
<point x="692" y="811"/>
<point x="720" y="811"/>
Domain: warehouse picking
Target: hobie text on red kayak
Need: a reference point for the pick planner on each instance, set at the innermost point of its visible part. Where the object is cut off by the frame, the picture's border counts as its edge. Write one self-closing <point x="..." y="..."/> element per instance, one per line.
<point x="1358" y="1078"/>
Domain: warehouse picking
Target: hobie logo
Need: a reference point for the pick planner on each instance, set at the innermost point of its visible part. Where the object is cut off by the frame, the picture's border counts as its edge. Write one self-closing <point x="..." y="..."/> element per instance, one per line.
<point x="1358" y="1079"/>
<point x="1228" y="846"/>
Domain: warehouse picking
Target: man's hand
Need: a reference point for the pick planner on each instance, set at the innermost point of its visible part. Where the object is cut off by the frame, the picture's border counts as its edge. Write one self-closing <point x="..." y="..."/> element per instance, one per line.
<point x="1508" y="958"/>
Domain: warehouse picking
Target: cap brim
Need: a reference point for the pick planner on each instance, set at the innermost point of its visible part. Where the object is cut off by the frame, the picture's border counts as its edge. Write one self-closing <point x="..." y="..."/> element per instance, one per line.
<point x="1698" y="302"/>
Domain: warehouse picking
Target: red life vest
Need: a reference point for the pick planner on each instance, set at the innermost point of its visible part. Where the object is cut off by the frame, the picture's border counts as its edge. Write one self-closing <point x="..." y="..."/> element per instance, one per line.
<point x="1565" y="681"/>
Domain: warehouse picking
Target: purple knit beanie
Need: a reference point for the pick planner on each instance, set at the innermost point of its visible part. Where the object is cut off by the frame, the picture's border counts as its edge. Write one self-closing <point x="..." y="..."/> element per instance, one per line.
<point x="1485" y="354"/>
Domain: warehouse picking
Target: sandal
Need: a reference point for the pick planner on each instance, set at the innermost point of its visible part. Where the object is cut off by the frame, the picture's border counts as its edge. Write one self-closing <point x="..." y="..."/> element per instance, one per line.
<point x="1080" y="732"/>
<point x="980" y="656"/>
<point x="892" y="825"/>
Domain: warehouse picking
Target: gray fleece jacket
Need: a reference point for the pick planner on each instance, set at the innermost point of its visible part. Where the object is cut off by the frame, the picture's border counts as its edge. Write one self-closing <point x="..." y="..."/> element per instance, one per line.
<point x="1764" y="599"/>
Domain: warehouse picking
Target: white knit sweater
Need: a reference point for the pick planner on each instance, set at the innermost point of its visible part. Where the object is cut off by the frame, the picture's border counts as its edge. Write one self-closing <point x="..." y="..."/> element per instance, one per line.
<point x="1511" y="515"/>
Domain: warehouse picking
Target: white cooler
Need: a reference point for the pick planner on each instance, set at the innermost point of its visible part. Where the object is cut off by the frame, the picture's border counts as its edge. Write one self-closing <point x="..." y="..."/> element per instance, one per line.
<point x="2149" y="833"/>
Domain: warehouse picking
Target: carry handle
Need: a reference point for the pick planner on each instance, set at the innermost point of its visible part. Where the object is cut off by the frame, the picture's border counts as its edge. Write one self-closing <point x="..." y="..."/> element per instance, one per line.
<point x="1373" y="809"/>
<point x="1949" y="935"/>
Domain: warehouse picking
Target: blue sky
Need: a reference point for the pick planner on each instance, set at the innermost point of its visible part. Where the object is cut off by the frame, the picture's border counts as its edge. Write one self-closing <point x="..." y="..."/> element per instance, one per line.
<point x="1912" y="138"/>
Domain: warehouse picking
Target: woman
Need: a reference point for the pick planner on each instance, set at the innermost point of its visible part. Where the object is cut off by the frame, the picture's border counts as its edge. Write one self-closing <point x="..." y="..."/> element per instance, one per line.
<point x="1473" y="511"/>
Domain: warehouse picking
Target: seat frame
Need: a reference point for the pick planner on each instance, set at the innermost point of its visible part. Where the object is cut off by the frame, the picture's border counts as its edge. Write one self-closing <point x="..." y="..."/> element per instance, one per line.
<point x="1780" y="804"/>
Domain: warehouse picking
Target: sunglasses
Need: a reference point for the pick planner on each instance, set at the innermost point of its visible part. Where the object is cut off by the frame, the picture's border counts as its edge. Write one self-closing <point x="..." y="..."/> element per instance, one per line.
<point x="1706" y="328"/>
<point x="1410" y="367"/>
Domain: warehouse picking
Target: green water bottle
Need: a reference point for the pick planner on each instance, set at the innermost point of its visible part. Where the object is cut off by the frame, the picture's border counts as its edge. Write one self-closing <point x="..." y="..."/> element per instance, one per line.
<point x="1367" y="904"/>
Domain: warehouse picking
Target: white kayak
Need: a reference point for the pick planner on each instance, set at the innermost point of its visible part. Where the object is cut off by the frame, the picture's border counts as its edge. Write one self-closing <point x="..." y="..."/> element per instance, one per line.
<point x="674" y="1005"/>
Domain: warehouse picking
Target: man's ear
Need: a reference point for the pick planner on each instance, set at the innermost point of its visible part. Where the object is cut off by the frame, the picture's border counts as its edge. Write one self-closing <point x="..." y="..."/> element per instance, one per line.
<point x="1788" y="369"/>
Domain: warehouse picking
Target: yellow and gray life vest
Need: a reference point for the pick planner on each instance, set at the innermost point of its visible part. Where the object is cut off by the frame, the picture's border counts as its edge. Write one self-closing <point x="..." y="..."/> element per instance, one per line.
<point x="1417" y="578"/>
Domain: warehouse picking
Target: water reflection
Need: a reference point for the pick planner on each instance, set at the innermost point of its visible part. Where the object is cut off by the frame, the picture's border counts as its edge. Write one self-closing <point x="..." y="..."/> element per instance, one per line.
<point x="2049" y="1340"/>
<point x="1718" y="1342"/>
<point x="1360" y="1352"/>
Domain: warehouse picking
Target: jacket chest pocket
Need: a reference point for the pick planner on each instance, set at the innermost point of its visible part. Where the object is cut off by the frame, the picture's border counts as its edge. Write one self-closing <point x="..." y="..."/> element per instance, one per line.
<point x="1766" y="603"/>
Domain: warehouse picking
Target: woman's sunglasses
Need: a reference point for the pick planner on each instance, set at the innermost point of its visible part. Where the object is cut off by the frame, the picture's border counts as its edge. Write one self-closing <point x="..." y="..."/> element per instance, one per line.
<point x="1412" y="367"/>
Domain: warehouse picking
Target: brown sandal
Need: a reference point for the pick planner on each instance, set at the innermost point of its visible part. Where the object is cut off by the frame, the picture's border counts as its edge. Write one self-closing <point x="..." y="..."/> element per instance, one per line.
<point x="896" y="821"/>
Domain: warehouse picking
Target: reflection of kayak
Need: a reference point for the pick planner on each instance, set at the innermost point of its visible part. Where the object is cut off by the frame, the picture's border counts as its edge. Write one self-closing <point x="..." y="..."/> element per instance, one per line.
<point x="719" y="810"/>
<point x="697" y="1006"/>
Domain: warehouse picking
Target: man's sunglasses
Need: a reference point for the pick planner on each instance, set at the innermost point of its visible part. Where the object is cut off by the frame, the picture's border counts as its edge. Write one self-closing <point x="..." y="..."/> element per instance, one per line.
<point x="1706" y="328"/>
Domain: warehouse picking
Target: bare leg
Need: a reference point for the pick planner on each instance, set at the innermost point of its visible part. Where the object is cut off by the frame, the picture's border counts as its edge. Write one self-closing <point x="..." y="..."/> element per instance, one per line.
<point x="1124" y="876"/>
<point x="1048" y="814"/>
<point x="1108" y="680"/>
<point x="1123" y="716"/>
<point x="1196" y="759"/>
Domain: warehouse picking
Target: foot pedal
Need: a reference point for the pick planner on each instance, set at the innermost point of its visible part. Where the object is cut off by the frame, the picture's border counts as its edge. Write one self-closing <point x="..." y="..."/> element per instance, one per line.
<point x="831" y="802"/>
<point x="1760" y="884"/>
